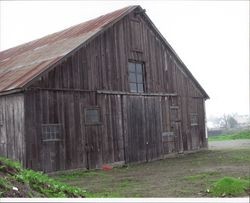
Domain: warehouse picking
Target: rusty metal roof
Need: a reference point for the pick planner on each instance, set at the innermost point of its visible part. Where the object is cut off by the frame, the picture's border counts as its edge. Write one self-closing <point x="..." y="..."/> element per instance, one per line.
<point x="21" y="64"/>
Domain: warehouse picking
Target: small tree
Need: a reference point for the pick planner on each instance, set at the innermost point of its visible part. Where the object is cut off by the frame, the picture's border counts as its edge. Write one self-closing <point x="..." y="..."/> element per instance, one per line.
<point x="232" y="122"/>
<point x="228" y="121"/>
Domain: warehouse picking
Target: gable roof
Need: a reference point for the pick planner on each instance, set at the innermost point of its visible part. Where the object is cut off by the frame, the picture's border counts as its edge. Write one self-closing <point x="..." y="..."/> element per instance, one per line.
<point x="19" y="65"/>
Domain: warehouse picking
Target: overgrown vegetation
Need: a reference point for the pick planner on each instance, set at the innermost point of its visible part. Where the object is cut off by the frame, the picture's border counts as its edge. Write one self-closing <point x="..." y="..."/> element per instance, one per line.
<point x="234" y="136"/>
<point x="18" y="182"/>
<point x="229" y="186"/>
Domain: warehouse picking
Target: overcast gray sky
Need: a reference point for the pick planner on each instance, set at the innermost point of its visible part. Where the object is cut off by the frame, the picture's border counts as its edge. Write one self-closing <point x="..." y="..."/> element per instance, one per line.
<point x="211" y="37"/>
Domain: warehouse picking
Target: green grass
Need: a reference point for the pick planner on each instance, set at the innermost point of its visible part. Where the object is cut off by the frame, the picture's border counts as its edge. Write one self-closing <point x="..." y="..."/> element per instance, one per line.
<point x="201" y="176"/>
<point x="107" y="187"/>
<point x="229" y="186"/>
<point x="187" y="176"/>
<point x="120" y="186"/>
<point x="80" y="174"/>
<point x="234" y="136"/>
<point x="39" y="183"/>
<point x="224" y="187"/>
<point x="48" y="186"/>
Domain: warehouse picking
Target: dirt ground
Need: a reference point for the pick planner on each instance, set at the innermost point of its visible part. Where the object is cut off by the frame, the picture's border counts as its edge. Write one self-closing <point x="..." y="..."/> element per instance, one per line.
<point x="185" y="176"/>
<point x="229" y="144"/>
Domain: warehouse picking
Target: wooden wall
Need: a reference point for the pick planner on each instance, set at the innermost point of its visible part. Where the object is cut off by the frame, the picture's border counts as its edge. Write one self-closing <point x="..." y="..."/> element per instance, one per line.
<point x="12" y="143"/>
<point x="81" y="146"/>
<point x="133" y="125"/>
<point x="131" y="129"/>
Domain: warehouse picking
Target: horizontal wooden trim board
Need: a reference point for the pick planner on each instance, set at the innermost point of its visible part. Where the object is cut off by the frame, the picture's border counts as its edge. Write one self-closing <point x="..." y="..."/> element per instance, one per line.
<point x="52" y="140"/>
<point x="174" y="107"/>
<point x="60" y="89"/>
<point x="11" y="92"/>
<point x="106" y="92"/>
<point x="135" y="94"/>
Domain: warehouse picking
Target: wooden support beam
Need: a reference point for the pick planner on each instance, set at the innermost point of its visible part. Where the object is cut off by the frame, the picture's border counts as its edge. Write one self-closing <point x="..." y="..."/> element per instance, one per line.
<point x="135" y="94"/>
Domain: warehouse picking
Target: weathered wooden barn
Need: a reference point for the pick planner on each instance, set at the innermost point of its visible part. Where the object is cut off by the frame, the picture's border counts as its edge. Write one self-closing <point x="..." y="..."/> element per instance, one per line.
<point x="108" y="90"/>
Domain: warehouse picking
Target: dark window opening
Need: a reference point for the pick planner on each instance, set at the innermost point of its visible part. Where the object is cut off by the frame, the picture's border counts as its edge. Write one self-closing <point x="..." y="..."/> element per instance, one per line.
<point x="92" y="116"/>
<point x="51" y="132"/>
<point x="135" y="77"/>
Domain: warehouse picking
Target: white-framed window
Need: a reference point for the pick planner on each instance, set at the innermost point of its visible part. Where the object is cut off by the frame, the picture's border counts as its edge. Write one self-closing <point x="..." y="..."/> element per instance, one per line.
<point x="51" y="132"/>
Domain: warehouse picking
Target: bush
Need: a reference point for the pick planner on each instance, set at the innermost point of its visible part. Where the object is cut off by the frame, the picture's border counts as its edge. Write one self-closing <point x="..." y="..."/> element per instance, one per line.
<point x="229" y="186"/>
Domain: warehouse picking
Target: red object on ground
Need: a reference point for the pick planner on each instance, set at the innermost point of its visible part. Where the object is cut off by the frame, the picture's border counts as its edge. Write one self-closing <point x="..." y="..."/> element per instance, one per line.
<point x="107" y="167"/>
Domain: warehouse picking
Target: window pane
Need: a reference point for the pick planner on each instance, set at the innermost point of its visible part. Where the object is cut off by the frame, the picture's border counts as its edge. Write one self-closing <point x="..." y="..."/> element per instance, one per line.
<point x="140" y="88"/>
<point x="92" y="116"/>
<point x="133" y="87"/>
<point x="131" y="67"/>
<point x="51" y="132"/>
<point x="194" y="119"/>
<point x="132" y="77"/>
<point x="135" y="77"/>
<point x="139" y="78"/>
<point x="139" y="68"/>
<point x="53" y="136"/>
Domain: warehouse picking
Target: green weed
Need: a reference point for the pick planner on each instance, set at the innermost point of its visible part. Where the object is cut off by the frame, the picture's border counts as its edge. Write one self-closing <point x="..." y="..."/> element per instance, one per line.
<point x="4" y="183"/>
<point x="49" y="187"/>
<point x="4" y="162"/>
<point x="40" y="183"/>
<point x="229" y="186"/>
<point x="4" y="186"/>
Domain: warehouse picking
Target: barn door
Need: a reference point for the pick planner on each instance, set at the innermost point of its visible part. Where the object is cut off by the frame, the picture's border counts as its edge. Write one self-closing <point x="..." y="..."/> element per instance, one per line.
<point x="51" y="134"/>
<point x="175" y="119"/>
<point x="136" y="148"/>
<point x="3" y="138"/>
<point x="143" y="117"/>
<point x="93" y="147"/>
<point x="3" y="141"/>
<point x="93" y="140"/>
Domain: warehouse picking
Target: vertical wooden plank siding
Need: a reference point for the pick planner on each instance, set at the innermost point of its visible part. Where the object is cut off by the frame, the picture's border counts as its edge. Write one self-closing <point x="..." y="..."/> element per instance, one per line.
<point x="132" y="126"/>
<point x="12" y="141"/>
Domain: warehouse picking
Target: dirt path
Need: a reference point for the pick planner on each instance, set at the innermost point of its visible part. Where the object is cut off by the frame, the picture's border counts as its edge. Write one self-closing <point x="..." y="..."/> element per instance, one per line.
<point x="229" y="144"/>
<point x="186" y="176"/>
